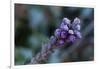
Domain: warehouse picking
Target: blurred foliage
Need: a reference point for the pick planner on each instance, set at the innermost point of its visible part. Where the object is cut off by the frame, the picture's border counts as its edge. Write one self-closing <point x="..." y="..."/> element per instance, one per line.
<point x="34" y="24"/>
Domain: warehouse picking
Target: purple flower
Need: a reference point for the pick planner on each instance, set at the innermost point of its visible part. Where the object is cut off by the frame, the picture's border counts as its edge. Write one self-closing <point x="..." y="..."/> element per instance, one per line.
<point x="68" y="31"/>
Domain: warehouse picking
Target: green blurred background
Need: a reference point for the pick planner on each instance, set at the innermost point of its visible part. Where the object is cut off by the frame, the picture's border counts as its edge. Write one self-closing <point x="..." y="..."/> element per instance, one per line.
<point x="34" y="24"/>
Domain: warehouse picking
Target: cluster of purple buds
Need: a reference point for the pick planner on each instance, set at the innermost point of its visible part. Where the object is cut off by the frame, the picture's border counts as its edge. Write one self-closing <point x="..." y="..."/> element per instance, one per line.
<point x="67" y="32"/>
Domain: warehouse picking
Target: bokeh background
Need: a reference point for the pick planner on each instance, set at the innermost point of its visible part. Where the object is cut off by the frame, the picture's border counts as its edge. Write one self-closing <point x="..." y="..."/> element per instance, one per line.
<point x="34" y="24"/>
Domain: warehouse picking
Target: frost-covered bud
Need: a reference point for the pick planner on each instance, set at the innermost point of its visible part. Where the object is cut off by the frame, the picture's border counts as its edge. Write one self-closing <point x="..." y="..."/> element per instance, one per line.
<point x="78" y="27"/>
<point x="57" y="32"/>
<point x="52" y="40"/>
<point x="71" y="32"/>
<point x="66" y="21"/>
<point x="64" y="27"/>
<point x="76" y="21"/>
<point x="71" y="38"/>
<point x="63" y="34"/>
<point x="76" y="24"/>
<point x="78" y="34"/>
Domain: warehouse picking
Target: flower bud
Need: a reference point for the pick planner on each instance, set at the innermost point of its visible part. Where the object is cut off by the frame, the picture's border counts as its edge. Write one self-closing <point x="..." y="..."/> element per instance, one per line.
<point x="78" y="34"/>
<point x="63" y="34"/>
<point x="64" y="27"/>
<point x="77" y="27"/>
<point x="71" y="38"/>
<point x="57" y="32"/>
<point x="52" y="39"/>
<point x="66" y="21"/>
<point x="61" y="42"/>
<point x="76" y="21"/>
